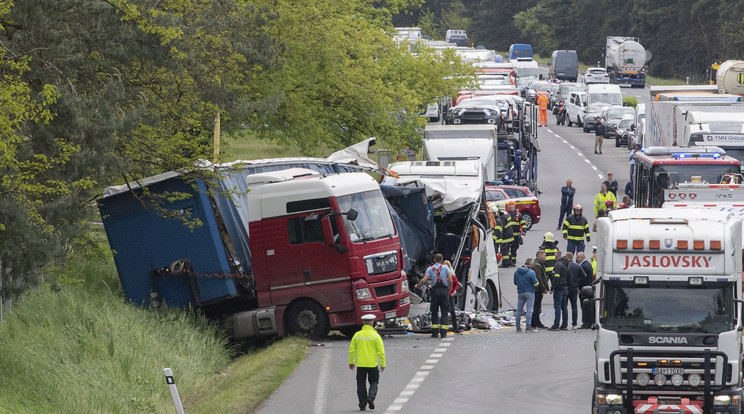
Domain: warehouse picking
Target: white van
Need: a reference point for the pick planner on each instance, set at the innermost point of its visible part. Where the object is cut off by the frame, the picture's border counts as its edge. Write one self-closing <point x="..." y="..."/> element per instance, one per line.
<point x="598" y="98"/>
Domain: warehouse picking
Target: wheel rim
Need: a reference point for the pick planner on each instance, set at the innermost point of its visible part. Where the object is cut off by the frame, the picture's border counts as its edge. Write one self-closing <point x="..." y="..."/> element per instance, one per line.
<point x="527" y="220"/>
<point x="306" y="320"/>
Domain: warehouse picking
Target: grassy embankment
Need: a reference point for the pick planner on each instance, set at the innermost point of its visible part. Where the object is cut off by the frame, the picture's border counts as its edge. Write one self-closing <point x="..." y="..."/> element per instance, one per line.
<point x="76" y="346"/>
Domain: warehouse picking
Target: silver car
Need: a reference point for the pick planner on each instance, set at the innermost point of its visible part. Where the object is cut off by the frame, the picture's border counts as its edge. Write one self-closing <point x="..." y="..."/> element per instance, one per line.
<point x="596" y="75"/>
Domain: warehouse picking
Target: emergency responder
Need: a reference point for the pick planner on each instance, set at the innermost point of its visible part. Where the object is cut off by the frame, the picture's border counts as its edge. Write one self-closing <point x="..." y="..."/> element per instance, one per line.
<point x="452" y="299"/>
<point x="365" y="350"/>
<point x="575" y="228"/>
<point x="441" y="277"/>
<point x="542" y="102"/>
<point x="600" y="201"/>
<point x="498" y="226"/>
<point x="507" y="238"/>
<point x="550" y="246"/>
<point x="517" y="225"/>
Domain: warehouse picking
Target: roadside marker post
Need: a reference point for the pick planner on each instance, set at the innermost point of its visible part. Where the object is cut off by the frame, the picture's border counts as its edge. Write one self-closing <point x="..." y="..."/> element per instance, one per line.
<point x="173" y="390"/>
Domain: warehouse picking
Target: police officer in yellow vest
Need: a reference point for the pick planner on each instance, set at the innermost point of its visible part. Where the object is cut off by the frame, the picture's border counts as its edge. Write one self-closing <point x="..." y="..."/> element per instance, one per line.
<point x="366" y="349"/>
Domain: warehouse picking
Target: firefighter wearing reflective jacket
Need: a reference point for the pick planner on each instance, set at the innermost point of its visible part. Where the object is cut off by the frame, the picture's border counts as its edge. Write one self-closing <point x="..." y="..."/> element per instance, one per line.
<point x="575" y="228"/>
<point x="498" y="225"/>
<point x="514" y="225"/>
<point x="550" y="245"/>
<point x="441" y="277"/>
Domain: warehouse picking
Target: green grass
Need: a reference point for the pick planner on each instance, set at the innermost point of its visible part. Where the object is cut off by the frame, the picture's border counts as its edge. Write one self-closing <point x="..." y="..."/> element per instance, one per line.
<point x="654" y="81"/>
<point x="244" y="145"/>
<point x="76" y="346"/>
<point x="261" y="372"/>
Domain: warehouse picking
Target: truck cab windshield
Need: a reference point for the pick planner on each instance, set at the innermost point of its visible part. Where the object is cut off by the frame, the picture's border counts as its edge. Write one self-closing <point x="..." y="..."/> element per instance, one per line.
<point x="669" y="308"/>
<point x="373" y="222"/>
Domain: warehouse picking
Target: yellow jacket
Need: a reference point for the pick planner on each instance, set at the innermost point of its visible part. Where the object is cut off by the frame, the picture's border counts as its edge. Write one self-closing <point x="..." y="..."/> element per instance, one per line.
<point x="366" y="347"/>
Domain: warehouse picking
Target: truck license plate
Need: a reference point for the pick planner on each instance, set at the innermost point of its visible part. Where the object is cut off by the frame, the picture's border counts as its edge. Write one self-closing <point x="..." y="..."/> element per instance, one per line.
<point x="669" y="371"/>
<point x="390" y="315"/>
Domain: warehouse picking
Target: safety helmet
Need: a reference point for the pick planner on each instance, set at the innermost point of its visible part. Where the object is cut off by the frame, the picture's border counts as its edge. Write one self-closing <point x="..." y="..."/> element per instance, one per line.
<point x="578" y="207"/>
<point x="511" y="203"/>
<point x="609" y="203"/>
<point x="494" y="208"/>
<point x="548" y="237"/>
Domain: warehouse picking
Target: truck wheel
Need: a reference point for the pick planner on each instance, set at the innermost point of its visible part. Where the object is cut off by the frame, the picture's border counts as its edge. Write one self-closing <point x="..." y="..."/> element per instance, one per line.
<point x="493" y="298"/>
<point x="528" y="220"/>
<point x="306" y="317"/>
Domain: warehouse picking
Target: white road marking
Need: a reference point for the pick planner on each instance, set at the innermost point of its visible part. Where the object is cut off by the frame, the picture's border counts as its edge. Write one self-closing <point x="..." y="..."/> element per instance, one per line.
<point x="594" y="167"/>
<point x="321" y="393"/>
<point x="587" y="161"/>
<point x="419" y="376"/>
<point x="600" y="176"/>
<point x="572" y="147"/>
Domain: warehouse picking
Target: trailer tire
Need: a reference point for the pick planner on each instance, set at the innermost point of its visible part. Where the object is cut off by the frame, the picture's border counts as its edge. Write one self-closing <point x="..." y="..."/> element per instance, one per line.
<point x="307" y="318"/>
<point x="493" y="298"/>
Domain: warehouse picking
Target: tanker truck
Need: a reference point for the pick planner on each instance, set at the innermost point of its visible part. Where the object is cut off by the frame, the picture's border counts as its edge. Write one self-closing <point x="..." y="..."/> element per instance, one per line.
<point x="730" y="77"/>
<point x="625" y="60"/>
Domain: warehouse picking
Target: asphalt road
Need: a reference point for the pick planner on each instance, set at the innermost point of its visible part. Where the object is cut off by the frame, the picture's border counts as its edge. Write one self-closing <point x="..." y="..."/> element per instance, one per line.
<point x="480" y="371"/>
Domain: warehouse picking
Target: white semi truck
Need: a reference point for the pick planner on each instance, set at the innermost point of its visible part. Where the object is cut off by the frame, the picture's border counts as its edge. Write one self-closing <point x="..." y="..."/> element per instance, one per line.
<point x="671" y="111"/>
<point x="668" y="310"/>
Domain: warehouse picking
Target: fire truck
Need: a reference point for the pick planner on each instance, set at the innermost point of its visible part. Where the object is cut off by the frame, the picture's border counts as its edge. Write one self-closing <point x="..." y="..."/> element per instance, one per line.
<point x="667" y="301"/>
<point x="658" y="169"/>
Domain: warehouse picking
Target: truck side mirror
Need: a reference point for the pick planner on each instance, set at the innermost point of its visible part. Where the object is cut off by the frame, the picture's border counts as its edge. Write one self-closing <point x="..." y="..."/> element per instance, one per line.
<point x="352" y="214"/>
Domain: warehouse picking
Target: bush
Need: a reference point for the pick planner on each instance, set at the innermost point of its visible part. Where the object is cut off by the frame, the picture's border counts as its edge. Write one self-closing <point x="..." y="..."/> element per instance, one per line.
<point x="630" y="101"/>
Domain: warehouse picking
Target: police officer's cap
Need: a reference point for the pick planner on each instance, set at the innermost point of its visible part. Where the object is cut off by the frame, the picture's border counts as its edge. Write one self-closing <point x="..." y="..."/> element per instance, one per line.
<point x="368" y="317"/>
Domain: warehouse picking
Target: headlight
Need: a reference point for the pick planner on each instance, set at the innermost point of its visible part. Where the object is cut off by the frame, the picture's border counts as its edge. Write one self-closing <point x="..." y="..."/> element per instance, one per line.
<point x="722" y="400"/>
<point x="642" y="379"/>
<point x="694" y="380"/>
<point x="660" y="379"/>
<point x="405" y="301"/>
<point x="610" y="399"/>
<point x="363" y="294"/>
<point x="677" y="380"/>
<point x="368" y="307"/>
<point x="404" y="286"/>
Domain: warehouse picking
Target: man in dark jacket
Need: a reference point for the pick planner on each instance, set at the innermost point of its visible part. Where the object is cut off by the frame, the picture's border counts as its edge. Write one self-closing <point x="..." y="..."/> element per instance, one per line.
<point x="599" y="133"/>
<point x="544" y="287"/>
<point x="567" y="196"/>
<point x="574" y="285"/>
<point x="559" y="286"/>
<point x="611" y="183"/>
<point x="587" y="309"/>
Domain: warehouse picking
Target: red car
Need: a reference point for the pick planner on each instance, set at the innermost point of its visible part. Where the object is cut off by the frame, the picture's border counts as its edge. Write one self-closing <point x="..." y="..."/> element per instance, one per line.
<point x="527" y="204"/>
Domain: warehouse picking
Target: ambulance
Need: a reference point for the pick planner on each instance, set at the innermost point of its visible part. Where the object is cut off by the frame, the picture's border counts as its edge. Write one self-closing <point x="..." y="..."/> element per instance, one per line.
<point x="667" y="301"/>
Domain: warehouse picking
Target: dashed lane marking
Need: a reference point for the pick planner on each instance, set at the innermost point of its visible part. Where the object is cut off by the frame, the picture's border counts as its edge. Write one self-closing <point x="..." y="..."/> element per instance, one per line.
<point x="419" y="376"/>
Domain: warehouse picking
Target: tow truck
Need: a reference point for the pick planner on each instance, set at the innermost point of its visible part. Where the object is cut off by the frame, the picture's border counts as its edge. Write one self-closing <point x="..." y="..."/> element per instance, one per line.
<point x="668" y="308"/>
